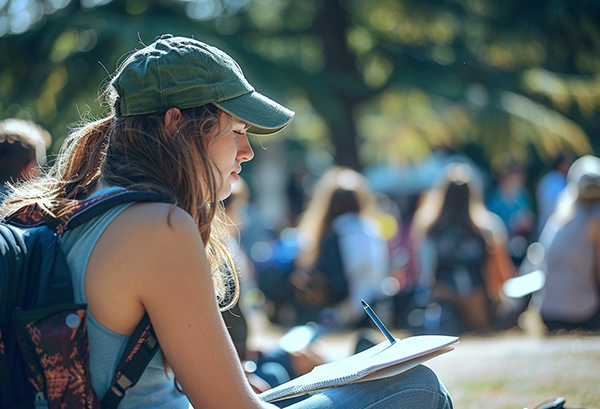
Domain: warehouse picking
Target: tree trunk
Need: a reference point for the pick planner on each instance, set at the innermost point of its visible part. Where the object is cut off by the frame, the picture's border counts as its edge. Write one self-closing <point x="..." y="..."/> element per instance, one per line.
<point x="343" y="82"/>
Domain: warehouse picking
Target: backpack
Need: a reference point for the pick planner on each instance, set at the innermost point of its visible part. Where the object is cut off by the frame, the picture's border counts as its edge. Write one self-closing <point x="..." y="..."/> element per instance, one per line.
<point x="326" y="284"/>
<point x="44" y="351"/>
<point x="458" y="299"/>
<point x="461" y="260"/>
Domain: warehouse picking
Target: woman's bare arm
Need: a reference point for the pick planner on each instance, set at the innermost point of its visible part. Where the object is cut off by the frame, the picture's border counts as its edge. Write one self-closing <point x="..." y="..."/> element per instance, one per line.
<point x="152" y="258"/>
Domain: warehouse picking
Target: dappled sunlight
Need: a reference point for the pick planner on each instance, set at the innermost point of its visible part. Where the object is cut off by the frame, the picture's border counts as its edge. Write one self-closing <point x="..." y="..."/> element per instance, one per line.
<point x="402" y="126"/>
<point x="565" y="90"/>
<point x="308" y="125"/>
<point x="305" y="49"/>
<point x="545" y="123"/>
<point x="72" y="41"/>
<point x="370" y="81"/>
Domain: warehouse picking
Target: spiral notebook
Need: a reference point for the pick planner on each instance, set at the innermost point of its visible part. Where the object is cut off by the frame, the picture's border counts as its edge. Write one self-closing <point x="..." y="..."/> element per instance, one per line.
<point x="382" y="360"/>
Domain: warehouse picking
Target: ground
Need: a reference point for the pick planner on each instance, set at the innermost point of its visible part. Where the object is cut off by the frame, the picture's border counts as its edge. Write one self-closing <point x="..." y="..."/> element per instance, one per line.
<point x="516" y="369"/>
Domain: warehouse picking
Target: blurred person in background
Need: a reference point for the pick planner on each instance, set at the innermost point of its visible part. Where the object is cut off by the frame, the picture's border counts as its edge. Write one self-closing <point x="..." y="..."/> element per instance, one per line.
<point x="264" y="369"/>
<point x="549" y="189"/>
<point x="23" y="147"/>
<point x="404" y="266"/>
<point x="344" y="258"/>
<point x="512" y="202"/>
<point x="462" y="252"/>
<point x="571" y="238"/>
<point x="235" y="318"/>
<point x="236" y="211"/>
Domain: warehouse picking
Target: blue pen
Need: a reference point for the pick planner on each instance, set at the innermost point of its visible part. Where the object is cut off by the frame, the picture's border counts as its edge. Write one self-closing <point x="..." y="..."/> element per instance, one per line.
<point x="378" y="322"/>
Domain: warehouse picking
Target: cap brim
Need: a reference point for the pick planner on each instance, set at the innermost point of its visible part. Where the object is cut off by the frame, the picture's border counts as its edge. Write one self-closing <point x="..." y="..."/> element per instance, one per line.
<point x="264" y="115"/>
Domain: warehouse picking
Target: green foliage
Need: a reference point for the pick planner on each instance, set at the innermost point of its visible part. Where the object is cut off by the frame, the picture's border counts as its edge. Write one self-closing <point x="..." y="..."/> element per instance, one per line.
<point x="371" y="80"/>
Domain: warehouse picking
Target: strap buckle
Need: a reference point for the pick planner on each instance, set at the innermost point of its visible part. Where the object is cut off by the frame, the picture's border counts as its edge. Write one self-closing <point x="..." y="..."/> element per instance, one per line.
<point x="120" y="386"/>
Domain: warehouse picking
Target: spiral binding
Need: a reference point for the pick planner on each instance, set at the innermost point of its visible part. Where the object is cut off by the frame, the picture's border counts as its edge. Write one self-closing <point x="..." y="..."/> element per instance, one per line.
<point x="276" y="394"/>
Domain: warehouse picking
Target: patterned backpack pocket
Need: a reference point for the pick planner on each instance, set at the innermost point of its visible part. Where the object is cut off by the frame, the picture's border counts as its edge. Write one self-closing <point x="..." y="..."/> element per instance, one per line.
<point x="54" y="345"/>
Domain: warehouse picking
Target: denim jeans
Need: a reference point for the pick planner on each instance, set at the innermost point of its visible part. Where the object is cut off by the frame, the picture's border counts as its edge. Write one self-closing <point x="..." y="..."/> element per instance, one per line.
<point x="418" y="388"/>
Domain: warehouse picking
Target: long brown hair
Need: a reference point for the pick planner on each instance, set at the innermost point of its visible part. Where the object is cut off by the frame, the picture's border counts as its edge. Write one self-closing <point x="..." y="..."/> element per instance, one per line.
<point x="139" y="153"/>
<point x="456" y="198"/>
<point x="339" y="190"/>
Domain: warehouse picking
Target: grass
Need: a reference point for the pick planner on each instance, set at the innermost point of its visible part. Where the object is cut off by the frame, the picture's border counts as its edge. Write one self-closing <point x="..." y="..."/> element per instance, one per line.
<point x="514" y="371"/>
<point x="523" y="368"/>
<point x="511" y="370"/>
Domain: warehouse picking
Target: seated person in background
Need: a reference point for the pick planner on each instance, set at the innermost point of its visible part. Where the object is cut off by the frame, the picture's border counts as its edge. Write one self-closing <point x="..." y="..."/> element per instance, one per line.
<point x="512" y="202"/>
<point x="463" y="251"/>
<point x="245" y="318"/>
<point x="549" y="189"/>
<point x="341" y="242"/>
<point x="22" y="151"/>
<point x="571" y="238"/>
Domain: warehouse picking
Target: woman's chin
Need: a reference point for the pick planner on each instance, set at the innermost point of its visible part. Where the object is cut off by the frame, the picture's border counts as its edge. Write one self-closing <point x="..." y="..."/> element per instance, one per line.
<point x="224" y="192"/>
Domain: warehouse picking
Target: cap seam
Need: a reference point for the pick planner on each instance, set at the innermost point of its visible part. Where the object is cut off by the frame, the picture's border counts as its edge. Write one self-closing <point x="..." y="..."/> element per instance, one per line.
<point x="211" y="76"/>
<point x="160" y="84"/>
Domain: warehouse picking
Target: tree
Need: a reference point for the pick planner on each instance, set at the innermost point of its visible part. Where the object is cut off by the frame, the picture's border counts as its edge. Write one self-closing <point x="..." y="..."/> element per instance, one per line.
<point x="413" y="76"/>
<point x="382" y="80"/>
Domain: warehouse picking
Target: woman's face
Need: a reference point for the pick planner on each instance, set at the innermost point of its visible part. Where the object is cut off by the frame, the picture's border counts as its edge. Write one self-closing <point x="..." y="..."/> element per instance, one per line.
<point x="228" y="151"/>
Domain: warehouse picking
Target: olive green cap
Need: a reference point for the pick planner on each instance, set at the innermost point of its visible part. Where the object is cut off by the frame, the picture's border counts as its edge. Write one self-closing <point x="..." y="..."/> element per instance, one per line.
<point x="180" y="72"/>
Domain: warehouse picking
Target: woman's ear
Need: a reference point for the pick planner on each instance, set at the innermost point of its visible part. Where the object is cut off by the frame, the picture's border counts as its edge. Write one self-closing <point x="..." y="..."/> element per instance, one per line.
<point x="173" y="119"/>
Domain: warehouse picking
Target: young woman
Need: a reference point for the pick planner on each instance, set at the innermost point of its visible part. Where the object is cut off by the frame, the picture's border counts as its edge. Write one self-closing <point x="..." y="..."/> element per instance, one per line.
<point x="181" y="113"/>
<point x="462" y="246"/>
<point x="343" y="206"/>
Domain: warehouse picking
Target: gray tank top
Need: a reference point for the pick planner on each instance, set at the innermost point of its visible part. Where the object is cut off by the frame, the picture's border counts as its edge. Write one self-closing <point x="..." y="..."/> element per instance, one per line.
<point x="154" y="389"/>
<point x="571" y="289"/>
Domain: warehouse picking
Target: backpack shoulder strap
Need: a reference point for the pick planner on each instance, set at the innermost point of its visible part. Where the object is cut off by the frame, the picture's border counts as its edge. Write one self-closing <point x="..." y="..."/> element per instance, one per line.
<point x="138" y="353"/>
<point x="88" y="209"/>
<point x="143" y="344"/>
<point x="32" y="221"/>
<point x="80" y="211"/>
<point x="91" y="208"/>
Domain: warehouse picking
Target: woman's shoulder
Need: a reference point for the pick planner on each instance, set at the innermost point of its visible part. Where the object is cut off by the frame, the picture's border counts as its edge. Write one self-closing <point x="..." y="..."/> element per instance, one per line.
<point x="157" y="212"/>
<point x="139" y="255"/>
<point x="145" y="241"/>
<point x="157" y="224"/>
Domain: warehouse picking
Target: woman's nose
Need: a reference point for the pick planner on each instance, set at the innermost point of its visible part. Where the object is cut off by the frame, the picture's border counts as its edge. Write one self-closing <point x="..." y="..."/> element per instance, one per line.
<point x="245" y="151"/>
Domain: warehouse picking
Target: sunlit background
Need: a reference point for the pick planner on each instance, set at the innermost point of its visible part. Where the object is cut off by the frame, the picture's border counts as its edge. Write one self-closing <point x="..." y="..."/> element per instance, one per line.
<point x="377" y="85"/>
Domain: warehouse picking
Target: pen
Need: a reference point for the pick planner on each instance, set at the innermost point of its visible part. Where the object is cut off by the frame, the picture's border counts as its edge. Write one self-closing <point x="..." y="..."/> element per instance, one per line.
<point x="378" y="322"/>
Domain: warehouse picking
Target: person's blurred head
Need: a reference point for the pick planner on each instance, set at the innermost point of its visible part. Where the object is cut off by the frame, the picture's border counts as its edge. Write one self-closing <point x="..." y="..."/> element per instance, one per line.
<point x="583" y="187"/>
<point x="456" y="199"/>
<point x="510" y="174"/>
<point x="584" y="176"/>
<point x="455" y="184"/>
<point x="339" y="191"/>
<point x="561" y="163"/>
<point x="22" y="149"/>
<point x="342" y="201"/>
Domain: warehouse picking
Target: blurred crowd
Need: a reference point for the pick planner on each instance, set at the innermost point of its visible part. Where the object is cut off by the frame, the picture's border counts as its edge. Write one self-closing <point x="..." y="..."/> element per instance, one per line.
<point x="462" y="259"/>
<point x="459" y="258"/>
